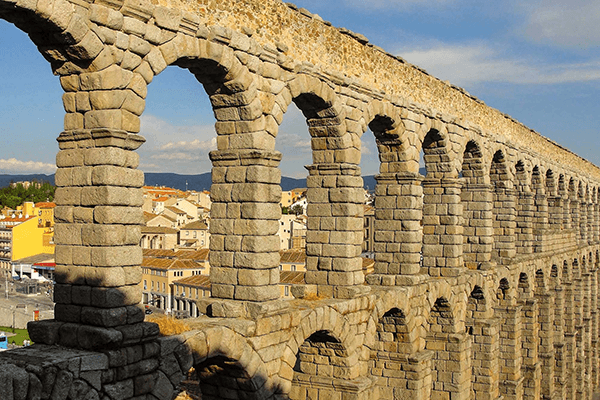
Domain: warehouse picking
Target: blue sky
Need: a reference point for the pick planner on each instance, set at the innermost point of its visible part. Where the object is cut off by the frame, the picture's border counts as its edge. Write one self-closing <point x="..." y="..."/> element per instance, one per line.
<point x="537" y="60"/>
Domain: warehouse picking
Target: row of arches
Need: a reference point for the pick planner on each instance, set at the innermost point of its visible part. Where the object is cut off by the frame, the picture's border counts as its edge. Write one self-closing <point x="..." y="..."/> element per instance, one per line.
<point x="480" y="201"/>
<point x="529" y="333"/>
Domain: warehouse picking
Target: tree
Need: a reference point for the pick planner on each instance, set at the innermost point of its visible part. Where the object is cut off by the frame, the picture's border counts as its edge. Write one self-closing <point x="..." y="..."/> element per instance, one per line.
<point x="297" y="209"/>
<point x="14" y="195"/>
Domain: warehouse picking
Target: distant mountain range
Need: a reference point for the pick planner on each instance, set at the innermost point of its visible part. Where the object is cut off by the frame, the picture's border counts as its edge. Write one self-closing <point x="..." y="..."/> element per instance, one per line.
<point x="181" y="182"/>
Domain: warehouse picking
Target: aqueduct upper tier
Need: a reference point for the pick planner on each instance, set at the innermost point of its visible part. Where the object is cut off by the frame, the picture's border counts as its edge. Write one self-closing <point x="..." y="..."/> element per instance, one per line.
<point x="486" y="273"/>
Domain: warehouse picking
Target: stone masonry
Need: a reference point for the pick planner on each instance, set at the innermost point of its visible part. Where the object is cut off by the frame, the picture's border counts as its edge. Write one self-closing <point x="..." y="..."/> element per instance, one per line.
<point x="487" y="268"/>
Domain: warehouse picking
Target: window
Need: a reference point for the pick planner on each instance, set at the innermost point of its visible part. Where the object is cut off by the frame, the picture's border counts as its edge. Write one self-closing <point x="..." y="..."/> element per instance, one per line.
<point x="293" y="267"/>
<point x="287" y="290"/>
<point x="280" y="267"/>
<point x="163" y="287"/>
<point x="152" y="285"/>
<point x="145" y="285"/>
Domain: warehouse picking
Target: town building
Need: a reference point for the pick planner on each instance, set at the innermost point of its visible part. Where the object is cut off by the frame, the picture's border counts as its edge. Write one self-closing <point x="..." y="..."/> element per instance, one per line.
<point x="194" y="235"/>
<point x="187" y="291"/>
<point x="158" y="237"/>
<point x="160" y="270"/>
<point x="292" y="260"/>
<point x="369" y="232"/>
<point x="39" y="267"/>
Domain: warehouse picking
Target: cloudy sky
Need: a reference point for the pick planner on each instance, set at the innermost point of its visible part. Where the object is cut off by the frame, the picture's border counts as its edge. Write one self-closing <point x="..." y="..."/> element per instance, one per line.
<point x="537" y="60"/>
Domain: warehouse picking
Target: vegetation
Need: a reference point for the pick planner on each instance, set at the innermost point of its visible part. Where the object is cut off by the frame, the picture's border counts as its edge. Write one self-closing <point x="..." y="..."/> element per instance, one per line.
<point x="297" y="209"/>
<point x="15" y="194"/>
<point x="168" y="325"/>
<point x="22" y="334"/>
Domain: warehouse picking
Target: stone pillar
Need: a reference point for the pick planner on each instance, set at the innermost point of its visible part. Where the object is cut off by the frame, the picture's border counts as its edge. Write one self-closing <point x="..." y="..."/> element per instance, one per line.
<point x="97" y="235"/>
<point x="245" y="213"/>
<point x="478" y="230"/>
<point x="511" y="378"/>
<point x="583" y="221"/>
<point x="559" y="344"/>
<point x="546" y="344"/>
<point x="451" y="367"/>
<point x="485" y="356"/>
<point x="335" y="230"/>
<point x="530" y="339"/>
<point x="398" y="232"/>
<point x="570" y="340"/>
<point x="504" y="224"/>
<point x="595" y="380"/>
<point x="574" y="207"/>
<point x="590" y="222"/>
<point x="524" y="219"/>
<point x="586" y="332"/>
<point x="567" y="212"/>
<point x="555" y="212"/>
<point x="595" y="223"/>
<point x="540" y="218"/>
<point x="578" y="299"/>
<point x="442" y="228"/>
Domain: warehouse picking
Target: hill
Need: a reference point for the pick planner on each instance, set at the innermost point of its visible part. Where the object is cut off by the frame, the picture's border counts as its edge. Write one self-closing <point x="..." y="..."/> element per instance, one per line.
<point x="177" y="181"/>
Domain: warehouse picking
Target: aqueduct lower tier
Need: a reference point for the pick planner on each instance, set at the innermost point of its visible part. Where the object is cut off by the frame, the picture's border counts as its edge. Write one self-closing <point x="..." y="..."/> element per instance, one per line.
<point x="486" y="274"/>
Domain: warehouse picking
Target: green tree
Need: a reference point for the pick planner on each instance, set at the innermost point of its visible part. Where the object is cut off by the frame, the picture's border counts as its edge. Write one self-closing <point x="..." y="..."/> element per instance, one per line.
<point x="297" y="209"/>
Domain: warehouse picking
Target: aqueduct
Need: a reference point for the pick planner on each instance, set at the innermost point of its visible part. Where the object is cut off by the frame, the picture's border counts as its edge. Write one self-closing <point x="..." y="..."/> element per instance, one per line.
<point x="486" y="274"/>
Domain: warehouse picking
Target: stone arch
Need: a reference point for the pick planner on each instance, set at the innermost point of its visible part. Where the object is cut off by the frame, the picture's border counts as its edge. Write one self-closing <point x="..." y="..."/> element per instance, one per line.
<point x="436" y="152"/>
<point x="441" y="318"/>
<point x="325" y="116"/>
<point x="504" y="206"/>
<point x="524" y="210"/>
<point x="60" y="32"/>
<point x="322" y="357"/>
<point x="219" y="363"/>
<point x="398" y="201"/>
<point x="555" y="210"/>
<point x="540" y="282"/>
<point x="335" y="325"/>
<point x="449" y="298"/>
<point x="394" y="349"/>
<point x="245" y="165"/>
<point x="473" y="167"/>
<point x="504" y="294"/>
<point x="334" y="190"/>
<point x="582" y="194"/>
<point x="441" y="217"/>
<point x="540" y="209"/>
<point x="524" y="288"/>
<point x="485" y="350"/>
<point x="383" y="306"/>
<point x="477" y="203"/>
<point x="551" y="184"/>
<point x="447" y="344"/>
<point x="477" y="306"/>
<point x="384" y="120"/>
<point x="241" y="124"/>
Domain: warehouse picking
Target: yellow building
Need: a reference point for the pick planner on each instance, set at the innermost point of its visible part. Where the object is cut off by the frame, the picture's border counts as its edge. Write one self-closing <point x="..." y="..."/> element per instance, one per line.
<point x="26" y="232"/>
<point x="161" y="268"/>
<point x="29" y="238"/>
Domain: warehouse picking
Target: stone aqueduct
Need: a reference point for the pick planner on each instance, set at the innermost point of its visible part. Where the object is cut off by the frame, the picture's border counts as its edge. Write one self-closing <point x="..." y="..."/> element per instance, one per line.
<point x="486" y="274"/>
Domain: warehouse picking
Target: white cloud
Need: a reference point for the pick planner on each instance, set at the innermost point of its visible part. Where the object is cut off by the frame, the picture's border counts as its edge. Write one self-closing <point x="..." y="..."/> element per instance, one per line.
<point x="195" y="144"/>
<point x="365" y="148"/>
<point x="176" y="148"/>
<point x="571" y="24"/>
<point x="467" y="64"/>
<point x="14" y="166"/>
